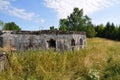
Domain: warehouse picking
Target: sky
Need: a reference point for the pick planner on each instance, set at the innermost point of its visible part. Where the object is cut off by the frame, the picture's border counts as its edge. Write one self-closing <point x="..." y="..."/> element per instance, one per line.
<point x="41" y="14"/>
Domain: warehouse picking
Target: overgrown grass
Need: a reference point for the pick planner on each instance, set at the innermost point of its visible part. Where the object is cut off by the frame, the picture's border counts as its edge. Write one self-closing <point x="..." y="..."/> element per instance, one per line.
<point x="100" y="60"/>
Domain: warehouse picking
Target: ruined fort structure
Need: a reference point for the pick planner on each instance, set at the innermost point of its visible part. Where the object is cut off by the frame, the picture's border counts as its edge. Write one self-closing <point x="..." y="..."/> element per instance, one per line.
<point x="44" y="39"/>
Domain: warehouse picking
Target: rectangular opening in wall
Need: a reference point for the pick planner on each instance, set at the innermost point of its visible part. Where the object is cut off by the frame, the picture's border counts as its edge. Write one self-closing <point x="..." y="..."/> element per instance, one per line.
<point x="51" y="43"/>
<point x="72" y="42"/>
<point x="81" y="41"/>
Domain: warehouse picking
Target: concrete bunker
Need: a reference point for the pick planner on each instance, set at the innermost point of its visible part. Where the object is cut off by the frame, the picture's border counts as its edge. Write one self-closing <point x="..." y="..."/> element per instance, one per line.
<point x="45" y="39"/>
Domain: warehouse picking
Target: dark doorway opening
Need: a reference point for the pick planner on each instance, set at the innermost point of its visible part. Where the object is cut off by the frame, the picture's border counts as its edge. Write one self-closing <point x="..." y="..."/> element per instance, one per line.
<point x="81" y="41"/>
<point x="72" y="42"/>
<point x="1" y="41"/>
<point x="51" y="43"/>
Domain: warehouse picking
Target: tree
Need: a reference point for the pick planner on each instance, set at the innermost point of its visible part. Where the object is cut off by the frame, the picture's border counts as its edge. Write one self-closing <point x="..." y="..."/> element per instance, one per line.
<point x="11" y="26"/>
<point x="118" y="34"/>
<point x="90" y="31"/>
<point x="107" y="30"/>
<point x="76" y="22"/>
<point x="99" y="29"/>
<point x="53" y="28"/>
<point x="110" y="31"/>
<point x="113" y="32"/>
<point x="63" y="24"/>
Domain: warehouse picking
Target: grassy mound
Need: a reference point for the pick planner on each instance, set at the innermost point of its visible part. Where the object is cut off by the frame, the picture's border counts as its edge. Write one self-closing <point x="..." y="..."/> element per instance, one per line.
<point x="99" y="60"/>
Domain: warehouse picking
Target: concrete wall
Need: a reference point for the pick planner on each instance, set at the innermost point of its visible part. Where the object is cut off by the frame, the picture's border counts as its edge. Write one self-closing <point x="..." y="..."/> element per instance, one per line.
<point x="45" y="41"/>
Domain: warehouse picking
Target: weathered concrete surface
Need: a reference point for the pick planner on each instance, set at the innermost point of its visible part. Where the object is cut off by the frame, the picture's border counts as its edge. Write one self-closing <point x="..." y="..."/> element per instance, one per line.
<point x="45" y="39"/>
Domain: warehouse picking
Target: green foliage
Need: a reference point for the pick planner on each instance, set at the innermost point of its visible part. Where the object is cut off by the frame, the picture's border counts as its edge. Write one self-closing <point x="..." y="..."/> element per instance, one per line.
<point x="118" y="34"/>
<point x="11" y="26"/>
<point x="90" y="31"/>
<point x="109" y="31"/>
<point x="93" y="74"/>
<point x="63" y="24"/>
<point x="99" y="29"/>
<point x="99" y="60"/>
<point x="78" y="22"/>
<point x="53" y="28"/>
<point x="112" y="70"/>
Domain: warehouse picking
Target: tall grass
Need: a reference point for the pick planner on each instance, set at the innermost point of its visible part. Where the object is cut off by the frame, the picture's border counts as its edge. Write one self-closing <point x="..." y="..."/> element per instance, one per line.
<point x="99" y="60"/>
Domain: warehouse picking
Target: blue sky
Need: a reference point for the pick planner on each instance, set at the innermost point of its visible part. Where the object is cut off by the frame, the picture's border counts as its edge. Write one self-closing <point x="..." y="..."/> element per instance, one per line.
<point x="41" y="14"/>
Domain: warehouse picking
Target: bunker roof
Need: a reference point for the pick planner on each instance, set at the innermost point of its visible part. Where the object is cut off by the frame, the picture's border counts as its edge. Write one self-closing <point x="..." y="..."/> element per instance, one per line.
<point x="44" y="32"/>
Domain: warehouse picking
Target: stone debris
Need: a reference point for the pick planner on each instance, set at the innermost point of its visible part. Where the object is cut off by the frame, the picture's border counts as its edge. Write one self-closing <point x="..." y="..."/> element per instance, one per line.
<point x="3" y="61"/>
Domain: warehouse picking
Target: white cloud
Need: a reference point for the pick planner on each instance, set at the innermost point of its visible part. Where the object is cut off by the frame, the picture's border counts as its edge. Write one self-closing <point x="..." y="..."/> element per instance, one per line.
<point x="5" y="6"/>
<point x="42" y="20"/>
<point x="65" y="7"/>
<point x="21" y="13"/>
<point x="39" y="20"/>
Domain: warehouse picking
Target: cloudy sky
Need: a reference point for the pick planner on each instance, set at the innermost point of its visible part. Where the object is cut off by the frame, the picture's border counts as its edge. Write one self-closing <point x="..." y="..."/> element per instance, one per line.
<point x="41" y="14"/>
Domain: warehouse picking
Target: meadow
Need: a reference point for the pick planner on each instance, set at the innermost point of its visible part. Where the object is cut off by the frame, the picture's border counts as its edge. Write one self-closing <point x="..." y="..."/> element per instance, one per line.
<point x="99" y="60"/>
